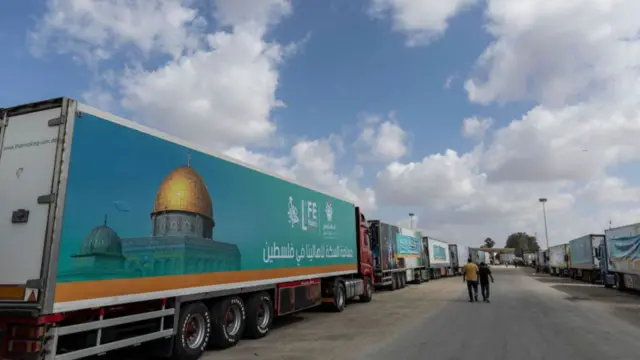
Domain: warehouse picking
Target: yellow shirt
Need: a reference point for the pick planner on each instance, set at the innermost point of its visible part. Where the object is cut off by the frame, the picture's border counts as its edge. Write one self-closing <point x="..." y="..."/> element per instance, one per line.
<point x="471" y="271"/>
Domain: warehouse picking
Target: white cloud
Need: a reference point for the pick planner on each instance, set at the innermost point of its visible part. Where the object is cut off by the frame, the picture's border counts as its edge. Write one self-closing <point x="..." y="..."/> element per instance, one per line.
<point x="384" y="140"/>
<point x="95" y="30"/>
<point x="474" y="127"/>
<point x="449" y="81"/>
<point x="576" y="142"/>
<point x="554" y="52"/>
<point x="217" y="89"/>
<point x="420" y="20"/>
<point x="313" y="163"/>
<point x="579" y="61"/>
<point x="610" y="190"/>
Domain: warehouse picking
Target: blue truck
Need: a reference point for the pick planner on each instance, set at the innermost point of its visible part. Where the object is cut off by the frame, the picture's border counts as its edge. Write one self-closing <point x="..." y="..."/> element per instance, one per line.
<point x="584" y="263"/>
<point x="619" y="254"/>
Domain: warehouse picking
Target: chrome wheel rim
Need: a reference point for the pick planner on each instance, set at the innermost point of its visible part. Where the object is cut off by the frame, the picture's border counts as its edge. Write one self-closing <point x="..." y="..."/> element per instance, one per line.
<point x="195" y="330"/>
<point x="233" y="320"/>
<point x="340" y="299"/>
<point x="264" y="314"/>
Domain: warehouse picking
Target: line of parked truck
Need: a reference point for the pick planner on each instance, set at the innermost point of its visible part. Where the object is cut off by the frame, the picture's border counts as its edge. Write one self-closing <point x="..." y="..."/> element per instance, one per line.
<point x="109" y="239"/>
<point x="612" y="258"/>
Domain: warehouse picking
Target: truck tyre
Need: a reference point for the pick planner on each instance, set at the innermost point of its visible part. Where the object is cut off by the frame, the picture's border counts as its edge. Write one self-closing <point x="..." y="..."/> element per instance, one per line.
<point x="194" y="331"/>
<point x="620" y="282"/>
<point x="418" y="278"/>
<point x="394" y="282"/>
<point x="403" y="280"/>
<point x="606" y="284"/>
<point x="228" y="315"/>
<point x="339" y="297"/>
<point x="368" y="289"/>
<point x="259" y="315"/>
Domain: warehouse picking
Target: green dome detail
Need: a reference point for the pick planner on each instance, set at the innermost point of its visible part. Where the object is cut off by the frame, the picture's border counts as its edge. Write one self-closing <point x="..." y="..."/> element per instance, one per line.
<point x="102" y="240"/>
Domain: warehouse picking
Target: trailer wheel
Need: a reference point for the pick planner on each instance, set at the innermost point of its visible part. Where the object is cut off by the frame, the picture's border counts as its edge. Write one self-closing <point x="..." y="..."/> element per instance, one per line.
<point x="394" y="282"/>
<point x="368" y="289"/>
<point x="418" y="278"/>
<point x="403" y="280"/>
<point x="260" y="315"/>
<point x="194" y="330"/>
<point x="228" y="322"/>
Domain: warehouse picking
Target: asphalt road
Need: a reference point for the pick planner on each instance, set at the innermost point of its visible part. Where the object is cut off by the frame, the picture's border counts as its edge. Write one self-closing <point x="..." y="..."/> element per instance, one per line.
<point x="530" y="317"/>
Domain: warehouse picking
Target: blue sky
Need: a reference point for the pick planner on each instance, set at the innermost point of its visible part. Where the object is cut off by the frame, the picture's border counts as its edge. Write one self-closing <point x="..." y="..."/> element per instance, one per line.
<point x="368" y="98"/>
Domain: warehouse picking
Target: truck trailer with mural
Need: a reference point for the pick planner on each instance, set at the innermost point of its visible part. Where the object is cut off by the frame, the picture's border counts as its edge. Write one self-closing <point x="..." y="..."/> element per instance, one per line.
<point x="620" y="256"/>
<point x="558" y="260"/>
<point x="114" y="235"/>
<point x="584" y="262"/>
<point x="439" y="257"/>
<point x="398" y="256"/>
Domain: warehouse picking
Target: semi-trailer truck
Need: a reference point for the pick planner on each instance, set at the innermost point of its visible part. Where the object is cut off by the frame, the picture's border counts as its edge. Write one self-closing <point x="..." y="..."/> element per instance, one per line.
<point x="439" y="257"/>
<point x="558" y="260"/>
<point x="619" y="256"/>
<point x="459" y="259"/>
<point x="454" y="261"/>
<point x="463" y="257"/>
<point x="584" y="263"/>
<point x="114" y="235"/>
<point x="542" y="261"/>
<point x="478" y="256"/>
<point x="398" y="256"/>
<point x="527" y="258"/>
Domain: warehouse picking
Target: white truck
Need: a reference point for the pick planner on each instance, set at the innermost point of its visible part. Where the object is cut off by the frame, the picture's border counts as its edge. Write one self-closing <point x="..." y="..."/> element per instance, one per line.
<point x="109" y="239"/>
<point x="620" y="256"/>
<point x="558" y="260"/>
<point x="584" y="263"/>
<point x="439" y="257"/>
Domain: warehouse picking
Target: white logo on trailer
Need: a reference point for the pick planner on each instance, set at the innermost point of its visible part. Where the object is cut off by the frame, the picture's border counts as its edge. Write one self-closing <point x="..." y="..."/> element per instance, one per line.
<point x="328" y="210"/>
<point x="293" y="213"/>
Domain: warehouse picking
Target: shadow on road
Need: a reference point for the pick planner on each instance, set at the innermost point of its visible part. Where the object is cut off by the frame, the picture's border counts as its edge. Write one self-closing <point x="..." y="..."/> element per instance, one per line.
<point x="587" y="292"/>
<point x="557" y="280"/>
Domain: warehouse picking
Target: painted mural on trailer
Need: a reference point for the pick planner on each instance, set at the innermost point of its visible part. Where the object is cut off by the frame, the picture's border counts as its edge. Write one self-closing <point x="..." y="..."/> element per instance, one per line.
<point x="139" y="206"/>
<point x="624" y="253"/>
<point x="408" y="244"/>
<point x="385" y="248"/>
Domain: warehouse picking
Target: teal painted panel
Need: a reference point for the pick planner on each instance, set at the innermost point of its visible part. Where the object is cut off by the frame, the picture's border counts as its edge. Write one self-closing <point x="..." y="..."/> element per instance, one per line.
<point x="251" y="221"/>
<point x="408" y="245"/>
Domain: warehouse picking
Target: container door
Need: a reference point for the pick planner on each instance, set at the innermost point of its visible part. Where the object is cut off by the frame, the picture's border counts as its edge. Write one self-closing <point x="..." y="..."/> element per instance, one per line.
<point x="28" y="144"/>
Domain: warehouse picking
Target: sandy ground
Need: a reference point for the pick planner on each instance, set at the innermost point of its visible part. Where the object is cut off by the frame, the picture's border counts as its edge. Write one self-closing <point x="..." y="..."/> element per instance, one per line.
<point x="530" y="317"/>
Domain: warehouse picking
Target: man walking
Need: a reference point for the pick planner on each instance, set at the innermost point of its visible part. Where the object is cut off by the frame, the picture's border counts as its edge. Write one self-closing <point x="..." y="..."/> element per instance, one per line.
<point x="470" y="276"/>
<point x="485" y="275"/>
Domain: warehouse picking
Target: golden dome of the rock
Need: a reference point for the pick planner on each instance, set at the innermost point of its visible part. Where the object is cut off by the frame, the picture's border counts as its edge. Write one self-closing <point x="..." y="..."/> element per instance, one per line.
<point x="184" y="190"/>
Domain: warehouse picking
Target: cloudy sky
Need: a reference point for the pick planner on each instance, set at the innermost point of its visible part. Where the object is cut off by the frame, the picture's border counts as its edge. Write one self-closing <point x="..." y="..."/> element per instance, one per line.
<point x="464" y="112"/>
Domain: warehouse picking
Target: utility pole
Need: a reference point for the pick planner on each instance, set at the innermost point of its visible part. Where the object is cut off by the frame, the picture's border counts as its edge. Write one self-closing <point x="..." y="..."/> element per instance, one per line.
<point x="411" y="215"/>
<point x="544" y="214"/>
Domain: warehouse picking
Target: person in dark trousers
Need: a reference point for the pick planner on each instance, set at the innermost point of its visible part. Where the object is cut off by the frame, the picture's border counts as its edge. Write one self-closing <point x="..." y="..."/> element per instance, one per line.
<point x="485" y="275"/>
<point x="470" y="276"/>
